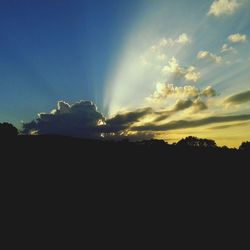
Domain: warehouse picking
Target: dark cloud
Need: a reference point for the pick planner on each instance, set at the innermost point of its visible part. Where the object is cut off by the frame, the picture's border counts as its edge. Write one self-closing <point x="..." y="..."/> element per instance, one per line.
<point x="125" y="120"/>
<point x="230" y="125"/>
<point x="182" y="124"/>
<point x="208" y="92"/>
<point x="80" y="120"/>
<point x="198" y="105"/>
<point x="182" y="104"/>
<point x="161" y="117"/>
<point x="239" y="98"/>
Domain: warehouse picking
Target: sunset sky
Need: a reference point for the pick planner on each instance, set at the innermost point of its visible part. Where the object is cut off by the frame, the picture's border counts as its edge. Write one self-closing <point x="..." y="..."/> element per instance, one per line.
<point x="137" y="68"/>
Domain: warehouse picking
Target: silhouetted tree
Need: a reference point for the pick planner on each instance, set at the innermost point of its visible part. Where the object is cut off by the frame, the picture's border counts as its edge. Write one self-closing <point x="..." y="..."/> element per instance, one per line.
<point x="196" y="142"/>
<point x="7" y="130"/>
<point x="245" y="146"/>
<point x="154" y="142"/>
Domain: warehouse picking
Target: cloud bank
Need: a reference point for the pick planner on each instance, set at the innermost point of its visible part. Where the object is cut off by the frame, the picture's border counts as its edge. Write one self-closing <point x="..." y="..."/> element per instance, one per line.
<point x="182" y="124"/>
<point x="81" y="119"/>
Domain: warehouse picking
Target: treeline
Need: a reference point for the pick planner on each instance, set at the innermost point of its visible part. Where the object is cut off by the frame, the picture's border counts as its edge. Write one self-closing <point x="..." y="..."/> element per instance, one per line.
<point x="8" y="131"/>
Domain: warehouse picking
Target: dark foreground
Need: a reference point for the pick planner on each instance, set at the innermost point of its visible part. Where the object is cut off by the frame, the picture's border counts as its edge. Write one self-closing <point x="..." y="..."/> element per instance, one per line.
<point x="59" y="151"/>
<point x="78" y="161"/>
<point x="112" y="192"/>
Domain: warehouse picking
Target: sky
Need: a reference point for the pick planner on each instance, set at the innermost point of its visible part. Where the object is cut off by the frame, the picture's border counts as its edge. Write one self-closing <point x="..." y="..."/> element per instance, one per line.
<point x="136" y="68"/>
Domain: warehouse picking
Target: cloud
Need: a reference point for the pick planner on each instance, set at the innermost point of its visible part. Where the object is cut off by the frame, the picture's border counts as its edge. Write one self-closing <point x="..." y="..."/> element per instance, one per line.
<point x="223" y="7"/>
<point x="230" y="125"/>
<point x="124" y="120"/>
<point x="182" y="104"/>
<point x="210" y="56"/>
<point x="165" y="90"/>
<point x="182" y="39"/>
<point x="208" y="92"/>
<point x="81" y="119"/>
<point x="238" y="98"/>
<point x="122" y="124"/>
<point x="192" y="74"/>
<point x="189" y="74"/>
<point x="182" y="124"/>
<point x="225" y="48"/>
<point x="237" y="38"/>
<point x="197" y="105"/>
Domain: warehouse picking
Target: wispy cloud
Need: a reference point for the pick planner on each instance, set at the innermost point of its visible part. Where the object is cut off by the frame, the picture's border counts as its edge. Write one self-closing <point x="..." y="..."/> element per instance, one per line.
<point x="226" y="48"/>
<point x="182" y="39"/>
<point x="239" y="124"/>
<point x="210" y="56"/>
<point x="182" y="124"/>
<point x="123" y="121"/>
<point x="239" y="98"/>
<point x="197" y="105"/>
<point x="223" y="7"/>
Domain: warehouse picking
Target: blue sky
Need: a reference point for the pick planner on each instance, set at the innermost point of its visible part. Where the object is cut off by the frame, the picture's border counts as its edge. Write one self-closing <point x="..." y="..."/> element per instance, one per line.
<point x="57" y="49"/>
<point x="125" y="55"/>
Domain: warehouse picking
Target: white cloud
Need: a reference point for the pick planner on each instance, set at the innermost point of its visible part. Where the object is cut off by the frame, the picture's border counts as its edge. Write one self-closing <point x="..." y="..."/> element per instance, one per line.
<point x="225" y="48"/>
<point x="182" y="39"/>
<point x="223" y="7"/>
<point x="172" y="67"/>
<point x="165" y="90"/>
<point x="210" y="56"/>
<point x="237" y="38"/>
<point x="190" y="73"/>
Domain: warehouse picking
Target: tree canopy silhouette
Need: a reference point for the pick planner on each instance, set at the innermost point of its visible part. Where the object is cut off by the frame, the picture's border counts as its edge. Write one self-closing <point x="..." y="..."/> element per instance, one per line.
<point x="7" y="130"/>
<point x="192" y="141"/>
<point x="245" y="146"/>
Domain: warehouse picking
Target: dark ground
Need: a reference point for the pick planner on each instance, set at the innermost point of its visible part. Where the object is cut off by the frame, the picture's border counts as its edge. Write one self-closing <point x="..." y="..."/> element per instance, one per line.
<point x="111" y="192"/>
